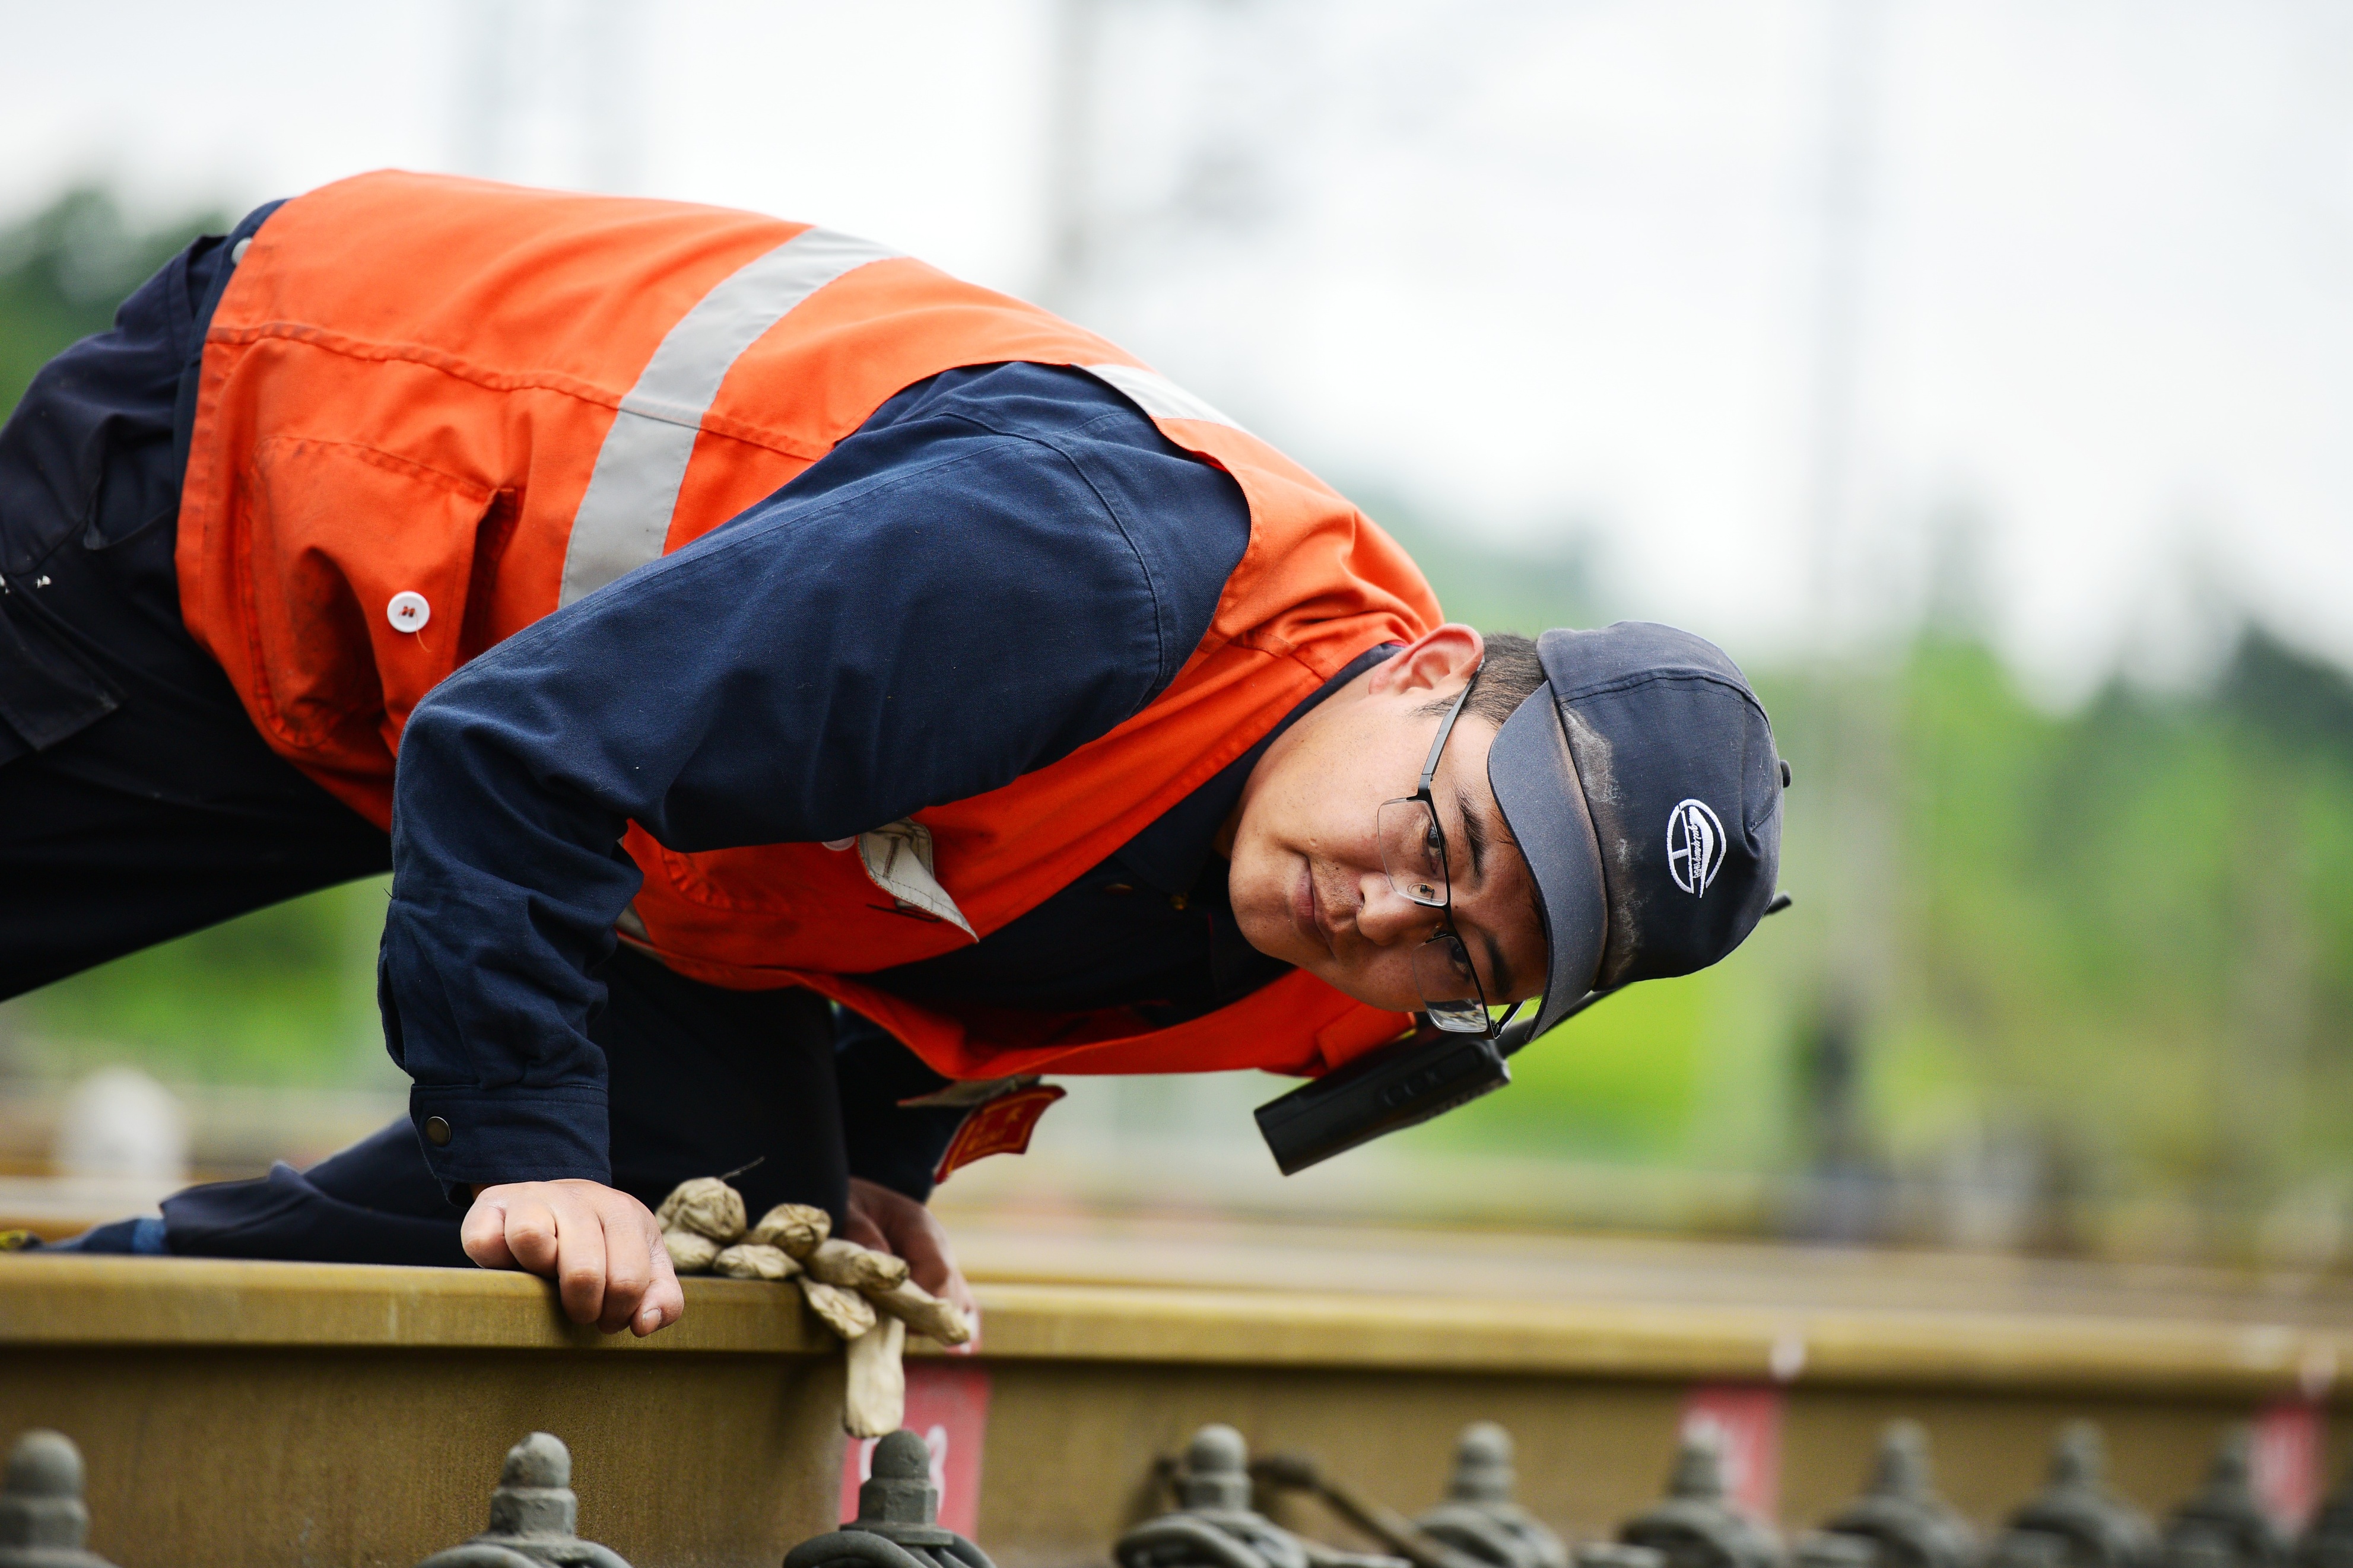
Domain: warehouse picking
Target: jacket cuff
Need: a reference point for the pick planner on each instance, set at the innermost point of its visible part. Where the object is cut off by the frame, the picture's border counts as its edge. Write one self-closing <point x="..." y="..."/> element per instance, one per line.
<point x="485" y="1137"/>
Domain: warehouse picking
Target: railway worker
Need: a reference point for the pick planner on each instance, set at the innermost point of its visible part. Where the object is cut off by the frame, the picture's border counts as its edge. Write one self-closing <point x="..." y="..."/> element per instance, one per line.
<point x="816" y="685"/>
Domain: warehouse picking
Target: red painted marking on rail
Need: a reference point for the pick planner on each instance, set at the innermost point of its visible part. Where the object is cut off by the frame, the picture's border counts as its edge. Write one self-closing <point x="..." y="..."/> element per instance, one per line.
<point x="2290" y="1438"/>
<point x="1747" y="1416"/>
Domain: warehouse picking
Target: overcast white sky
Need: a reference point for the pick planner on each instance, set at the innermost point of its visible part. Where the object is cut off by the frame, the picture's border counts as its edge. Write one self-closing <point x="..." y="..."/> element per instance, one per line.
<point x="1537" y="266"/>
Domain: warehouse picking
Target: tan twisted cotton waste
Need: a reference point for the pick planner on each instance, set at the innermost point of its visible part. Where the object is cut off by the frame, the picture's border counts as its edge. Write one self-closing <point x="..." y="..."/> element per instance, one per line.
<point x="846" y="1312"/>
<point x="704" y="1206"/>
<point x="864" y="1296"/>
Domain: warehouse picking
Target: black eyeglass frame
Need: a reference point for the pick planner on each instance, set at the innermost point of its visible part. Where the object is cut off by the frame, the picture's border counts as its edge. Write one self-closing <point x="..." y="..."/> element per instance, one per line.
<point x="1454" y="1016"/>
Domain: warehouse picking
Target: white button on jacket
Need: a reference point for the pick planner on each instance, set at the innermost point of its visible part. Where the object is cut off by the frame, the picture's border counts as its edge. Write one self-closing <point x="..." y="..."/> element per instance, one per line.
<point x="408" y="611"/>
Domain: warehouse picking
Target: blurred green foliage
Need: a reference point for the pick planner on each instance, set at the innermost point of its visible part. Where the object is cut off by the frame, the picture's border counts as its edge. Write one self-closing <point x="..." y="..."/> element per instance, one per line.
<point x="2111" y="949"/>
<point x="283" y="995"/>
<point x="64" y="270"/>
<point x="2113" y="946"/>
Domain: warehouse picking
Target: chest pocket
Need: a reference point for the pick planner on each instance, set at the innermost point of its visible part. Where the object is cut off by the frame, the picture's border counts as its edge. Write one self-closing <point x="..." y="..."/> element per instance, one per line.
<point x="356" y="567"/>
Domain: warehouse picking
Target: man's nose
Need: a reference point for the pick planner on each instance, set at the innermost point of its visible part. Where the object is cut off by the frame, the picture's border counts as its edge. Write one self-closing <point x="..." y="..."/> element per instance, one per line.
<point x="1387" y="917"/>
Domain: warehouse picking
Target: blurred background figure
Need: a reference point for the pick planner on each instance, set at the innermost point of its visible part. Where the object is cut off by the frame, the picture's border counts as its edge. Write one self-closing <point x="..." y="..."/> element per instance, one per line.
<point x="1975" y="373"/>
<point x="118" y="1122"/>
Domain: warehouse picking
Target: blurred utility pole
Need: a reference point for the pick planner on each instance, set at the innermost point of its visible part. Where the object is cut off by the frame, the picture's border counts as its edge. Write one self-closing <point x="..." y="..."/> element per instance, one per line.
<point x="482" y="107"/>
<point x="1103" y="230"/>
<point x="1843" y="793"/>
<point x="1073" y="226"/>
<point x="1849" y="99"/>
<point x="549" y="92"/>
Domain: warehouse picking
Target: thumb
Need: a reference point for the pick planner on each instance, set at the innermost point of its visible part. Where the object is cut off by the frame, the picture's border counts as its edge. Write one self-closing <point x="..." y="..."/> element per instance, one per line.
<point x="664" y="1303"/>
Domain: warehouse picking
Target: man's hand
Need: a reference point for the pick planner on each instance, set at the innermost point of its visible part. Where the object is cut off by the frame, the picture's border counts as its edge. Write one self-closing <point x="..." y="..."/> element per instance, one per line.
<point x="894" y="1223"/>
<point x="602" y="1248"/>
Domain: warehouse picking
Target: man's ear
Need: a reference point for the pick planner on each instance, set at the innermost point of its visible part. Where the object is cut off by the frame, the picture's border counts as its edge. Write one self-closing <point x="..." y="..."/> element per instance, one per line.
<point x="1441" y="660"/>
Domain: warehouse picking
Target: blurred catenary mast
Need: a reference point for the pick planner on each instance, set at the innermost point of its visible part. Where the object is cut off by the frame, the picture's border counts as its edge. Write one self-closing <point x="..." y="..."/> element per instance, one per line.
<point x="1847" y="807"/>
<point x="1072" y="221"/>
<point x="550" y="93"/>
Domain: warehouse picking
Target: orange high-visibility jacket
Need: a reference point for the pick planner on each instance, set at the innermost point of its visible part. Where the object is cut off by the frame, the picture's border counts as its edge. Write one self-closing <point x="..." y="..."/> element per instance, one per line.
<point x="495" y="400"/>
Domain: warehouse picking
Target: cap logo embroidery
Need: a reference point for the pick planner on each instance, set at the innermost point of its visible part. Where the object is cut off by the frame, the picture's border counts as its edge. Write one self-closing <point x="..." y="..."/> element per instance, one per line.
<point x="1695" y="846"/>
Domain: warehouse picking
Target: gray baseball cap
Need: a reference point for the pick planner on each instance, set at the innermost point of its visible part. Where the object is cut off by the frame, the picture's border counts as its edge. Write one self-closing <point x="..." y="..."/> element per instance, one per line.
<point x="1642" y="785"/>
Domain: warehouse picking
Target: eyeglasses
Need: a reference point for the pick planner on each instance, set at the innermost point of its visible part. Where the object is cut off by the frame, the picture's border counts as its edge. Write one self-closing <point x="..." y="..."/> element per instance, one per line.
<point x="1413" y="853"/>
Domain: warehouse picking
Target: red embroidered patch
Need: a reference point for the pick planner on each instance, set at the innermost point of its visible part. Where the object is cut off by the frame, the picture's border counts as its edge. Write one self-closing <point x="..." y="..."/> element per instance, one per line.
<point x="1000" y="1126"/>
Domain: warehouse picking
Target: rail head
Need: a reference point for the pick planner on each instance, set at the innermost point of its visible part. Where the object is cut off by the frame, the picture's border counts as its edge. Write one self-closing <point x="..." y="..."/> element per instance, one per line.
<point x="1665" y="1341"/>
<point x="65" y="1301"/>
<point x="70" y="1301"/>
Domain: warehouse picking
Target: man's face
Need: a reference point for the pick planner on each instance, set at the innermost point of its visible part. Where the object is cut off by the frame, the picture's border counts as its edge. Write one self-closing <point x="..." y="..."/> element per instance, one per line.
<point x="1307" y="882"/>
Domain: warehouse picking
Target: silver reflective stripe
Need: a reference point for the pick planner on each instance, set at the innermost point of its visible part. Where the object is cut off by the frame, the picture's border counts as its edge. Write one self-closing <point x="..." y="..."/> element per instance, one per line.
<point x="626" y="513"/>
<point x="1156" y="394"/>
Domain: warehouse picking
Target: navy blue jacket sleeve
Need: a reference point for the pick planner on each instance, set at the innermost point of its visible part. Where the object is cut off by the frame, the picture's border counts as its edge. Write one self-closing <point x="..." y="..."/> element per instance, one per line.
<point x="1001" y="565"/>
